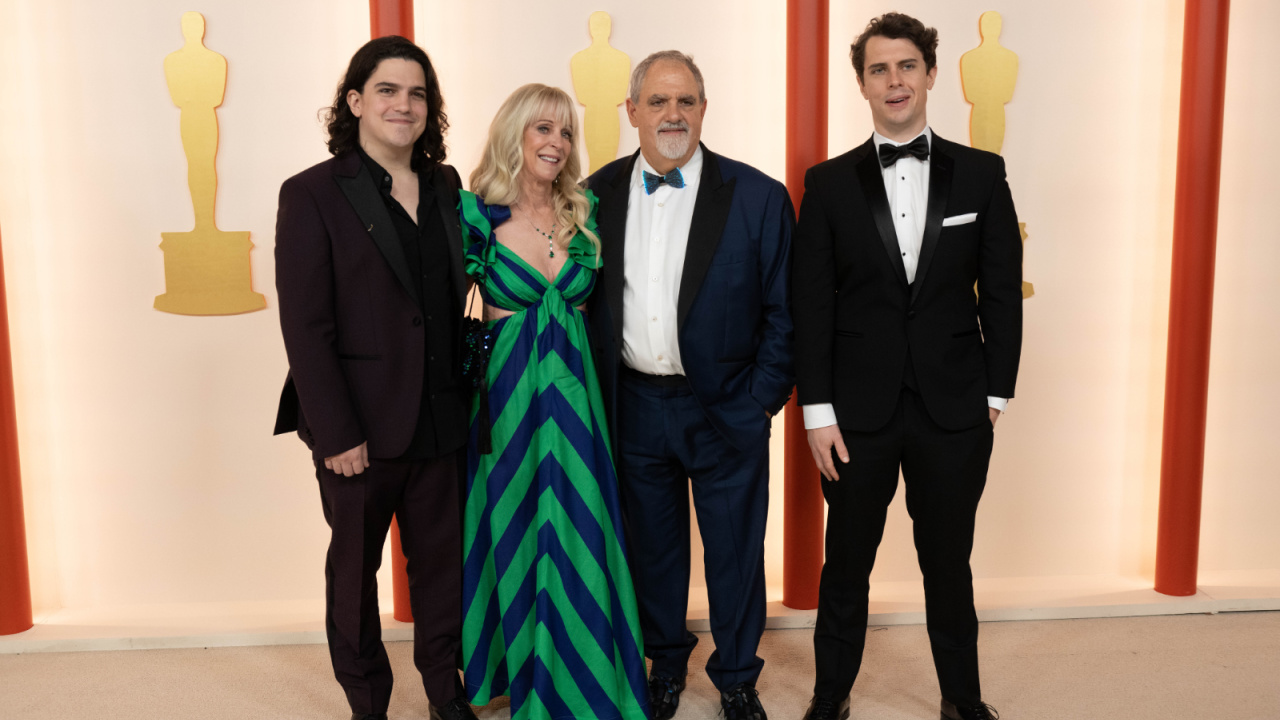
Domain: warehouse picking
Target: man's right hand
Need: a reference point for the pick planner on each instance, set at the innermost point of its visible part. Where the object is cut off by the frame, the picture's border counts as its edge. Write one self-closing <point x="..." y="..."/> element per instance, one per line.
<point x="821" y="441"/>
<point x="353" y="461"/>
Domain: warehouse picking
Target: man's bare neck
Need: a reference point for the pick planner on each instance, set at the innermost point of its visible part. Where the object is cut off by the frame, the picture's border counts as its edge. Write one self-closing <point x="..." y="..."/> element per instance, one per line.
<point x="901" y="135"/>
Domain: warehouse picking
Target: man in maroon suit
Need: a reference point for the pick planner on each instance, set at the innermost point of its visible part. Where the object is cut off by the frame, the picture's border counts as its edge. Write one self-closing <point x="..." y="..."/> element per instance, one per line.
<point x="370" y="279"/>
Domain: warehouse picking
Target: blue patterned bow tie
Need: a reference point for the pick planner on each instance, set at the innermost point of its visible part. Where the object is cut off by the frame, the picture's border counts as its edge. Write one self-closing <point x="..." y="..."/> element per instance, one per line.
<point x="651" y="181"/>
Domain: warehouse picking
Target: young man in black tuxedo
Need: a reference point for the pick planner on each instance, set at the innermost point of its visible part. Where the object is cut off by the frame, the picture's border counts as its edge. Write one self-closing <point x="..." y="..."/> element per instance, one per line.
<point x="899" y="364"/>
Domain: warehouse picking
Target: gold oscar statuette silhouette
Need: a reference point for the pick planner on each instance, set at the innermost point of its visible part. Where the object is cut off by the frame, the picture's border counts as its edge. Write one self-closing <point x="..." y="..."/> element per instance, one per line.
<point x="600" y="75"/>
<point x="206" y="270"/>
<point x="988" y="74"/>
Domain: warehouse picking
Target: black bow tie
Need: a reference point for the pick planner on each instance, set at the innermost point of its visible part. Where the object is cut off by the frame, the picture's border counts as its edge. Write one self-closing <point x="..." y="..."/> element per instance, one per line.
<point x="918" y="149"/>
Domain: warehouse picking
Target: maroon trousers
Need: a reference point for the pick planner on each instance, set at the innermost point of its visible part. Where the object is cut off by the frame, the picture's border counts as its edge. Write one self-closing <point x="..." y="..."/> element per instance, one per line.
<point x="424" y="497"/>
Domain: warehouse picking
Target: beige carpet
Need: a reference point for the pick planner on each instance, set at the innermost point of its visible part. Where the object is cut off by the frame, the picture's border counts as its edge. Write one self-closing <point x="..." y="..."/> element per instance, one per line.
<point x="1170" y="668"/>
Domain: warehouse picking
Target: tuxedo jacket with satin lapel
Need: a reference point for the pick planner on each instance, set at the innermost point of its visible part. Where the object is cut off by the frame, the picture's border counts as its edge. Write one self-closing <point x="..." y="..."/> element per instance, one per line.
<point x="856" y="316"/>
<point x="349" y="311"/>
<point x="733" y="315"/>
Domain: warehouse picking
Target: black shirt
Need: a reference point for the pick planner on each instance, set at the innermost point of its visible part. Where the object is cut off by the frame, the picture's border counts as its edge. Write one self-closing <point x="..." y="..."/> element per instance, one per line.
<point x="442" y="417"/>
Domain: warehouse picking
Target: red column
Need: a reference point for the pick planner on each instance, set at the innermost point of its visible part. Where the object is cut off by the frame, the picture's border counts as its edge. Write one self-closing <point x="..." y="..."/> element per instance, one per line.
<point x="1195" y="228"/>
<point x="391" y="17"/>
<point x="395" y="17"/>
<point x="807" y="22"/>
<point x="401" y="609"/>
<point x="15" y="583"/>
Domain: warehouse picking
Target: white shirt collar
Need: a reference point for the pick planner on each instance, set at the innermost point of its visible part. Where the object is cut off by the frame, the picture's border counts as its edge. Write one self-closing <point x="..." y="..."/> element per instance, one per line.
<point x="879" y="139"/>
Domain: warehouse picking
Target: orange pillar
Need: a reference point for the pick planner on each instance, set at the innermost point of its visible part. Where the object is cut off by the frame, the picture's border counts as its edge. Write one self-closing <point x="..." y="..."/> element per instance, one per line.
<point x="401" y="609"/>
<point x="15" y="583"/>
<point x="807" y="22"/>
<point x="1195" y="229"/>
<point x="391" y="17"/>
<point x="395" y="17"/>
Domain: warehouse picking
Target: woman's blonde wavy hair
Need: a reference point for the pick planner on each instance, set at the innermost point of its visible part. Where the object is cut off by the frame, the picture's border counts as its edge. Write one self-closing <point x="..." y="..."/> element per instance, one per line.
<point x="496" y="181"/>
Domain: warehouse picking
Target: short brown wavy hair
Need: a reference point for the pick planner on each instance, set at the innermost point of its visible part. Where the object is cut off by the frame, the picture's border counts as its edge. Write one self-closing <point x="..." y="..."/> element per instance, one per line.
<point x="344" y="127"/>
<point x="896" y="26"/>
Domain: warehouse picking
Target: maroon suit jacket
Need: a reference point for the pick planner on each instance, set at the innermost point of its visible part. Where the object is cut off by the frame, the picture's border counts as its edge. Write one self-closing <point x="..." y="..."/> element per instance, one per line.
<point x="349" y="310"/>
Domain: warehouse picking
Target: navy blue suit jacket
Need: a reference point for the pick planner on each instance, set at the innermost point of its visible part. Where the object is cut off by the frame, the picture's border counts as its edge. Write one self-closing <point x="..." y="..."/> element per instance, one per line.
<point x="733" y="315"/>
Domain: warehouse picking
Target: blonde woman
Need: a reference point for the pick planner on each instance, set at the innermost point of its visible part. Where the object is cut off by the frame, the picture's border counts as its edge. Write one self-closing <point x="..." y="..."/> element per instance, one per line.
<point x="549" y="614"/>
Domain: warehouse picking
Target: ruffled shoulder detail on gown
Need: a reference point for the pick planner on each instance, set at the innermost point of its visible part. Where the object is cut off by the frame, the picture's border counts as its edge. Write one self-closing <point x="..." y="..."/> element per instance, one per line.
<point x="581" y="249"/>
<point x="478" y="222"/>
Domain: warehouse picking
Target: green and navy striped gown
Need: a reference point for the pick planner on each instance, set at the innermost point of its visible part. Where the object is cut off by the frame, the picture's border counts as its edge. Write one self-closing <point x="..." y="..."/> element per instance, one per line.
<point x="549" y="613"/>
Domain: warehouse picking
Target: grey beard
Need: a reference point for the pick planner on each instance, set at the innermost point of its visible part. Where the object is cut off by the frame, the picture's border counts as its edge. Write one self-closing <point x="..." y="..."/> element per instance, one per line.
<point x="673" y="148"/>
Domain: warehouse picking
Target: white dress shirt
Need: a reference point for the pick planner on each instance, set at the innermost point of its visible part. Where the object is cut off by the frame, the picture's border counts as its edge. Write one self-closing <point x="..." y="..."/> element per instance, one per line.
<point x="906" y="183"/>
<point x="657" y="237"/>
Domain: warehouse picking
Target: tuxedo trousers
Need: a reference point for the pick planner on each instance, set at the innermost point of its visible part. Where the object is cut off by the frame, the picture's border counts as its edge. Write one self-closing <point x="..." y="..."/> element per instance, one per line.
<point x="944" y="473"/>
<point x="665" y="445"/>
<point x="423" y="496"/>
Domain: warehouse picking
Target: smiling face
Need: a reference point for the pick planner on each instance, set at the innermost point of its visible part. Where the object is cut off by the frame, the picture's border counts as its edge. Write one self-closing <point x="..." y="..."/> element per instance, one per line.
<point x="896" y="85"/>
<point x="668" y="116"/>
<point x="392" y="108"/>
<point x="546" y="146"/>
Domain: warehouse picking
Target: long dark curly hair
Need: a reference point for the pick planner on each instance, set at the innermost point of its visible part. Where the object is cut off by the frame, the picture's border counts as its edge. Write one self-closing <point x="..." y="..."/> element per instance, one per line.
<point x="344" y="127"/>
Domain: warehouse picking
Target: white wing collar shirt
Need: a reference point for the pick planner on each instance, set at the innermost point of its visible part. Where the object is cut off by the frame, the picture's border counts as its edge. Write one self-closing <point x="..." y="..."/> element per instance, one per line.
<point x="906" y="183"/>
<point x="657" y="237"/>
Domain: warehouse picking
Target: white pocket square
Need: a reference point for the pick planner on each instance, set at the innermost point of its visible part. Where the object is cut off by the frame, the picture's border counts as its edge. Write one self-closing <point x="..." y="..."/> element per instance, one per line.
<point x="959" y="219"/>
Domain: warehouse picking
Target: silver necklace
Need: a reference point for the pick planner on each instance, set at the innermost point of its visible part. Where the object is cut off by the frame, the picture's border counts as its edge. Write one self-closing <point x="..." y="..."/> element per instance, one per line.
<point x="551" y="245"/>
<point x="551" y="236"/>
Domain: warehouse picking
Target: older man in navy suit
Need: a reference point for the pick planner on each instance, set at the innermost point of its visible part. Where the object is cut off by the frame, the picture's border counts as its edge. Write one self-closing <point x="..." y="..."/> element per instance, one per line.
<point x="694" y="335"/>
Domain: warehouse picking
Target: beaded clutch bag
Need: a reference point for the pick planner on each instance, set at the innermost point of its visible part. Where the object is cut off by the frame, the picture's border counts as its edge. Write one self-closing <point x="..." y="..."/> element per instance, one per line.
<point x="477" y="341"/>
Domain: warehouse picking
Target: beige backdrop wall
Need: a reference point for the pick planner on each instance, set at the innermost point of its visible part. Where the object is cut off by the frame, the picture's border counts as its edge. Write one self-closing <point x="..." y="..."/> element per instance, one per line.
<point x="149" y="470"/>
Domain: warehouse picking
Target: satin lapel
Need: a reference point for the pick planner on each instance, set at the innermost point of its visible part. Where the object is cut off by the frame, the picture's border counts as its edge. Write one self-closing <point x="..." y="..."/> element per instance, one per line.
<point x="368" y="204"/>
<point x="447" y="201"/>
<point x="871" y="178"/>
<point x="710" y="212"/>
<point x="611" y="219"/>
<point x="940" y="170"/>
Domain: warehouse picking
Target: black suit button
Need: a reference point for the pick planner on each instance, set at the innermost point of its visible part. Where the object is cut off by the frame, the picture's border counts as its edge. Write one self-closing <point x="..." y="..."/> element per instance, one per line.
<point x="911" y="315"/>
<point x="417" y="321"/>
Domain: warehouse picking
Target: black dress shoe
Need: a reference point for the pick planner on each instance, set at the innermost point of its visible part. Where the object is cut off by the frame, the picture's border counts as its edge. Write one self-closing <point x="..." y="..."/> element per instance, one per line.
<point x="456" y="709"/>
<point x="664" y="696"/>
<point x="370" y="716"/>
<point x="824" y="709"/>
<point x="979" y="711"/>
<point x="742" y="702"/>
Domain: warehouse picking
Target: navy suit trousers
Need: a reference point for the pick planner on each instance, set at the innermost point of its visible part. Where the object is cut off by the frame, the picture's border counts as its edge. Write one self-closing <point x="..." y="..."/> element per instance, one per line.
<point x="665" y="441"/>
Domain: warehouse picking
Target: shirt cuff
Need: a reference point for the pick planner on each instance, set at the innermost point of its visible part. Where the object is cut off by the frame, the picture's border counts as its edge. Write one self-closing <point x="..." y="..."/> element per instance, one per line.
<point x="819" y="416"/>
<point x="1000" y="404"/>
